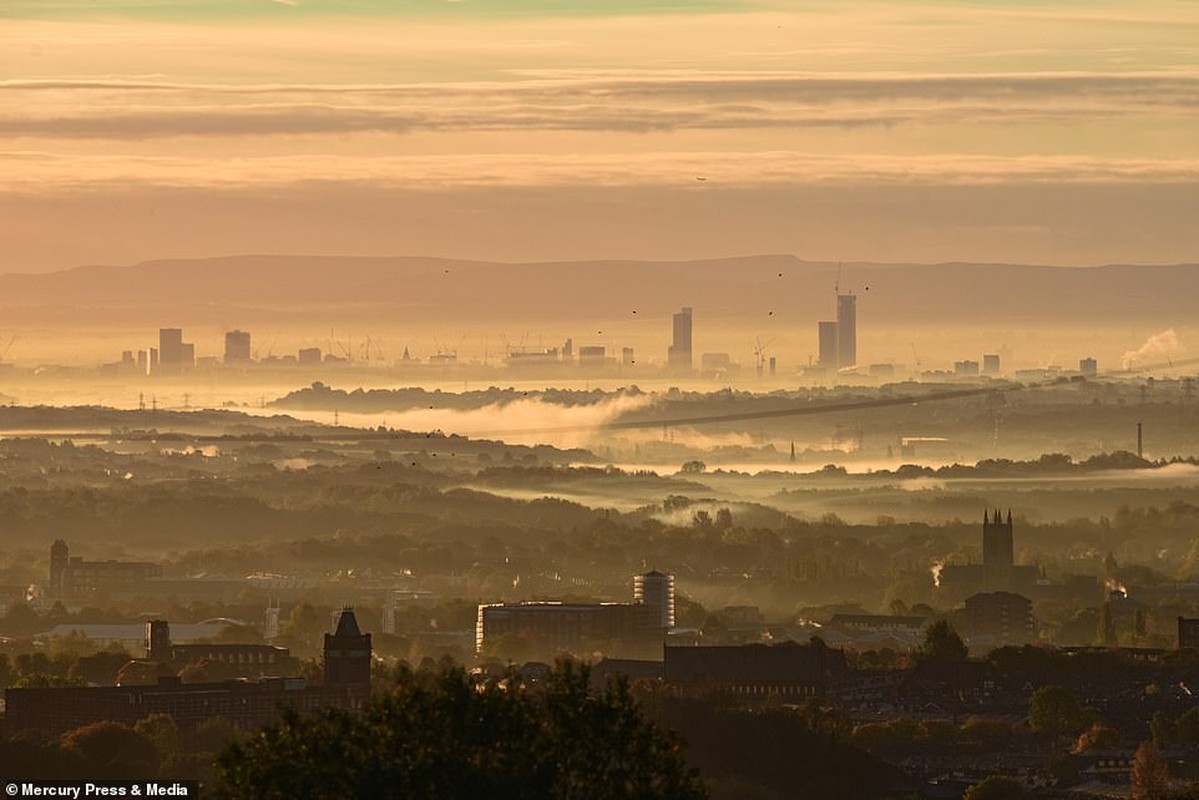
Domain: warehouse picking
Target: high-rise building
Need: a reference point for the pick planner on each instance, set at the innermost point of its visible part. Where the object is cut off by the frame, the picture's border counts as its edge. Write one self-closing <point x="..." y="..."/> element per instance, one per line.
<point x="552" y="626"/>
<point x="187" y="355"/>
<point x="237" y="347"/>
<point x="679" y="355"/>
<point x="990" y="363"/>
<point x="170" y="349"/>
<point x="828" y="345"/>
<point x="847" y="330"/>
<point x="1089" y="367"/>
<point x="655" y="590"/>
<point x="593" y="356"/>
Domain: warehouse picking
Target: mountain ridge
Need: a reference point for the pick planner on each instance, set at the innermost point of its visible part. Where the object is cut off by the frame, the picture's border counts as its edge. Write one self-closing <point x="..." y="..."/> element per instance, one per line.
<point x="428" y="287"/>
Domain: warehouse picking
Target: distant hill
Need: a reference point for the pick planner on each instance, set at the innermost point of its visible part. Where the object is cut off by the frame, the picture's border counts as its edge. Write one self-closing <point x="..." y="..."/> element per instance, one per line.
<point x="430" y="288"/>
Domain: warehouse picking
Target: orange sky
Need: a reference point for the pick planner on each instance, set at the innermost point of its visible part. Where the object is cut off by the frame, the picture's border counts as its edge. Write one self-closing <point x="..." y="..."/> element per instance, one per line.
<point x="1062" y="132"/>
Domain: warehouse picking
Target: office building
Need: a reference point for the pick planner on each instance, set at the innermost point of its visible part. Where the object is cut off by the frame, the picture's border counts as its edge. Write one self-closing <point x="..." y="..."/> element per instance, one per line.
<point x="552" y="628"/>
<point x="752" y="673"/>
<point x="73" y="577"/>
<point x="828" y="345"/>
<point x="237" y="347"/>
<point x="246" y="660"/>
<point x="1089" y="367"/>
<point x="990" y="363"/>
<point x="310" y="356"/>
<point x="679" y="355"/>
<point x="1003" y="616"/>
<point x="847" y="330"/>
<point x="170" y="350"/>
<point x="712" y="364"/>
<point x="592" y="356"/>
<point x="1188" y="633"/>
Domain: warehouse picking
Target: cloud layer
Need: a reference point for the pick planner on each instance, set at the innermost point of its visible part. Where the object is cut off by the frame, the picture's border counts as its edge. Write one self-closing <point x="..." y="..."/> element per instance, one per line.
<point x="126" y="110"/>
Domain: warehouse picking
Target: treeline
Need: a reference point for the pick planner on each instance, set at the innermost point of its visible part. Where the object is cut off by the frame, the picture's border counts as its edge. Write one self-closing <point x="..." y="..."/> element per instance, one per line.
<point x="321" y="396"/>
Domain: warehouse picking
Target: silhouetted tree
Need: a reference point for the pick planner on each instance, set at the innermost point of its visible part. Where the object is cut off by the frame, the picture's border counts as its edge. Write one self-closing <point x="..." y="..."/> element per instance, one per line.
<point x="1053" y="710"/>
<point x="942" y="643"/>
<point x="443" y="736"/>
<point x="114" y="750"/>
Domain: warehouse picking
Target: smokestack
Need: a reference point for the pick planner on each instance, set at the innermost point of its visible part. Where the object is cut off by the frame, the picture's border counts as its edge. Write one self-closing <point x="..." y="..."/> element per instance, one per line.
<point x="1140" y="442"/>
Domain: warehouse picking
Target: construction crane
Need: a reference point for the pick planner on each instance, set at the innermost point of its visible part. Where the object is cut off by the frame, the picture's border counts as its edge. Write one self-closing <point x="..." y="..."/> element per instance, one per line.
<point x="11" y="340"/>
<point x="269" y="350"/>
<point x="760" y="354"/>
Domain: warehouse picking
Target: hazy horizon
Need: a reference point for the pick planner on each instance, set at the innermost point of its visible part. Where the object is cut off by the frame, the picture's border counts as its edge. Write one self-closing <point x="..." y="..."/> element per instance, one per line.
<point x="1058" y="132"/>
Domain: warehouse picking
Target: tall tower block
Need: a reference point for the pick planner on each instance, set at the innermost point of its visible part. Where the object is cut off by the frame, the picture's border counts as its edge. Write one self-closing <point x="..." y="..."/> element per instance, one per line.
<point x="655" y="590"/>
<point x="679" y="355"/>
<point x="828" y="345"/>
<point x="847" y="330"/>
<point x="170" y="349"/>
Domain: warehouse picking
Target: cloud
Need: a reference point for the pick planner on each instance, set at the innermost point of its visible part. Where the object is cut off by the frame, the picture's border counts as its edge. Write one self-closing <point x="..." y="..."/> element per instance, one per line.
<point x="40" y="172"/>
<point x="116" y="109"/>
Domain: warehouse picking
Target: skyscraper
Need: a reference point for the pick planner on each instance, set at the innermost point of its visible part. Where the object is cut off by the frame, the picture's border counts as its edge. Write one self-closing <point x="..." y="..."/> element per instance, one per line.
<point x="828" y="345"/>
<point x="237" y="347"/>
<point x="679" y="355"/>
<point x="847" y="330"/>
<point x="170" y="349"/>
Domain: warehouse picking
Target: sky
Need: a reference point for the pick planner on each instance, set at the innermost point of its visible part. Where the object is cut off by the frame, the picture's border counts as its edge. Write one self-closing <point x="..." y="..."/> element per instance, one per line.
<point x="1039" y="132"/>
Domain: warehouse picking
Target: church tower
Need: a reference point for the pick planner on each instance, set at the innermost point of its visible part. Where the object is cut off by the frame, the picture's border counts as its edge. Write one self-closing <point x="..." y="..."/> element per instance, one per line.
<point x="997" y="551"/>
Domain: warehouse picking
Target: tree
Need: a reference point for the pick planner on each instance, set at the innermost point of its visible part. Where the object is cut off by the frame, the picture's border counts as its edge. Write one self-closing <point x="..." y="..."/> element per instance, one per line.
<point x="942" y="643"/>
<point x="1150" y="773"/>
<point x="115" y="750"/>
<point x="440" y="735"/>
<point x="163" y="735"/>
<point x="1053" y="710"/>
<point x="995" y="788"/>
<point x="1097" y="735"/>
